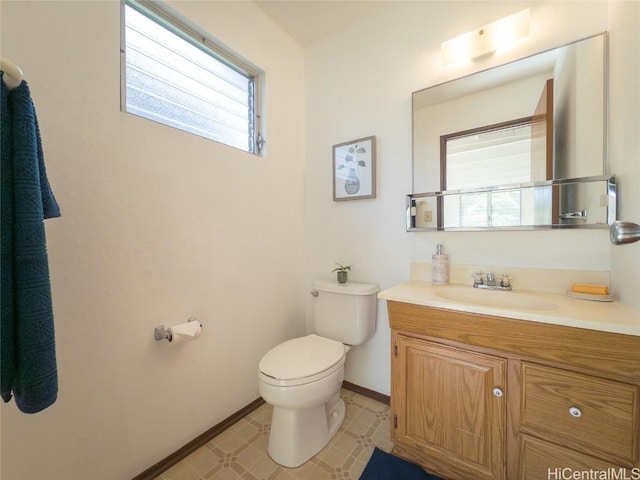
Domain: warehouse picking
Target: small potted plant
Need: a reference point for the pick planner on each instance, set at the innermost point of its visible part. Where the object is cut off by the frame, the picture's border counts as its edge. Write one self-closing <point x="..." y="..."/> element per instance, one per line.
<point x="342" y="272"/>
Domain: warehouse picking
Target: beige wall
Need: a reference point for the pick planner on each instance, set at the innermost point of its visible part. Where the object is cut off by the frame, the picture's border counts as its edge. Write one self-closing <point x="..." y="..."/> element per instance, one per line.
<point x="157" y="226"/>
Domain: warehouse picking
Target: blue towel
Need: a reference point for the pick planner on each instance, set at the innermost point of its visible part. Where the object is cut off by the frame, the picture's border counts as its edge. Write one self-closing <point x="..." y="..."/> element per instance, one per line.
<point x="28" y="368"/>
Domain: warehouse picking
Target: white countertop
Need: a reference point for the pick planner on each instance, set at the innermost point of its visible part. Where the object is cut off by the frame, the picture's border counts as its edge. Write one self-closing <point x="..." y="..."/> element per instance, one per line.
<point x="552" y="308"/>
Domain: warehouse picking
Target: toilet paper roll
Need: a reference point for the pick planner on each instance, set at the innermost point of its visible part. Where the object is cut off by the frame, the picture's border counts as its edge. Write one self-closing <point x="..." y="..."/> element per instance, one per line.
<point x="185" y="332"/>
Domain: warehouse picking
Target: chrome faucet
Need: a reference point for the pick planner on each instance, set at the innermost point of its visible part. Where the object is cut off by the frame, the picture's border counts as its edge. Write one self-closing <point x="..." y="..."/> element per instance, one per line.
<point x="491" y="283"/>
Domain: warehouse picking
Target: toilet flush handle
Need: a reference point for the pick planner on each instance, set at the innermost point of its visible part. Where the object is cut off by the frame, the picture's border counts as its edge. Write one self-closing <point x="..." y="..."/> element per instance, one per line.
<point x="314" y="293"/>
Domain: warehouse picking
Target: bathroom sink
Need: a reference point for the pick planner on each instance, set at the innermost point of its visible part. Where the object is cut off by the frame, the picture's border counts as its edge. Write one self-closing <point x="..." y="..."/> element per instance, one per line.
<point x="494" y="298"/>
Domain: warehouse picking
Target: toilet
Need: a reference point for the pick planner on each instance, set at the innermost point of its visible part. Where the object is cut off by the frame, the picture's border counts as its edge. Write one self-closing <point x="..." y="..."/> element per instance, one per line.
<point x="301" y="378"/>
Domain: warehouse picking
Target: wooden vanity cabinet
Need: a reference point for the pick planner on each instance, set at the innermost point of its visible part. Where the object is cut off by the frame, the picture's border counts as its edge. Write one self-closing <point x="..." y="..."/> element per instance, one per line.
<point x="476" y="397"/>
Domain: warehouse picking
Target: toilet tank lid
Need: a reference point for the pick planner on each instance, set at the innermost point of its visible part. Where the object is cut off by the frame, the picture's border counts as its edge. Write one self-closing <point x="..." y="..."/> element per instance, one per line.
<point x="349" y="288"/>
<point x="301" y="357"/>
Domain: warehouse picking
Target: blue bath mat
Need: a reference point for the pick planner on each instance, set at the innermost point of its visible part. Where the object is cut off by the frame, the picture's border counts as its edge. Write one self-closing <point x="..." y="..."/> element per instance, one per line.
<point x="384" y="466"/>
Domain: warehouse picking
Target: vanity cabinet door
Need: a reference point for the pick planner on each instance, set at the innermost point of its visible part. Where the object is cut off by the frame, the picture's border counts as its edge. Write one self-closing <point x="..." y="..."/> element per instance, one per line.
<point x="449" y="409"/>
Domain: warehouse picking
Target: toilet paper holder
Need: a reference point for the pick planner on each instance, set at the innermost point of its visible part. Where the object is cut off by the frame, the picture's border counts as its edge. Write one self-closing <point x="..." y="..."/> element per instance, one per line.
<point x="161" y="333"/>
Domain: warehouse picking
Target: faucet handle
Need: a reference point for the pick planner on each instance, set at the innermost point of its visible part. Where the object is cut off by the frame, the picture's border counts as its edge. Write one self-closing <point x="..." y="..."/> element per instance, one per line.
<point x="478" y="278"/>
<point x="505" y="280"/>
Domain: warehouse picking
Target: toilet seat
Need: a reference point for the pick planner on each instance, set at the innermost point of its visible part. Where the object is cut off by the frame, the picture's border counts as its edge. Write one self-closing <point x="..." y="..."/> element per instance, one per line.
<point x="301" y="360"/>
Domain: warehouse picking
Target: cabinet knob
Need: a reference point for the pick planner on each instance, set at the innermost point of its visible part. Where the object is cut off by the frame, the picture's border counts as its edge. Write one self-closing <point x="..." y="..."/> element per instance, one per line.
<point x="575" y="412"/>
<point x="498" y="392"/>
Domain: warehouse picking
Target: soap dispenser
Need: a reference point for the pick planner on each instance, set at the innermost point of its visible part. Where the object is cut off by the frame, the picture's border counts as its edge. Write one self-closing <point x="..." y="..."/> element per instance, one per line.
<point x="440" y="267"/>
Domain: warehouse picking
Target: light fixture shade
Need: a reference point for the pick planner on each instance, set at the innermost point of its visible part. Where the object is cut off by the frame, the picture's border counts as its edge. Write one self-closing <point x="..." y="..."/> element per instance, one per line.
<point x="496" y="36"/>
<point x="621" y="233"/>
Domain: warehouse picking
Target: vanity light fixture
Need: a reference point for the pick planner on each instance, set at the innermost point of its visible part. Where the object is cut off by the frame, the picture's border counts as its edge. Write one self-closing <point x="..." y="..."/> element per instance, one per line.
<point x="624" y="232"/>
<point x="496" y="36"/>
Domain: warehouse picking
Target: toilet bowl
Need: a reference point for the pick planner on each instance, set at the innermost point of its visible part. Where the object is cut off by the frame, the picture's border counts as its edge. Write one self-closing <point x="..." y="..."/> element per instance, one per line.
<point x="301" y="378"/>
<point x="307" y="408"/>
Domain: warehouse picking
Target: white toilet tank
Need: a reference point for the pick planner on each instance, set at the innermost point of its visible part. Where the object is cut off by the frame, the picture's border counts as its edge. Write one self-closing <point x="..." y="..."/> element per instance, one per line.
<point x="345" y="312"/>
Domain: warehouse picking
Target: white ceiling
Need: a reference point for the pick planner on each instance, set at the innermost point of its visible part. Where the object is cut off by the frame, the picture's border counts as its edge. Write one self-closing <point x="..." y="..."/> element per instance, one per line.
<point x="308" y="21"/>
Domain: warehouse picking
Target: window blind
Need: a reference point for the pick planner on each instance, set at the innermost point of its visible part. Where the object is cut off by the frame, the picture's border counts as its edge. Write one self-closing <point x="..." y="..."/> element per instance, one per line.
<point x="174" y="81"/>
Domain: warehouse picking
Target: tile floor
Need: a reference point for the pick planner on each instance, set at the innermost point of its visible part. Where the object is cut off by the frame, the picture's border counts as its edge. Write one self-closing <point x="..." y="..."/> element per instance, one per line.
<point x="240" y="452"/>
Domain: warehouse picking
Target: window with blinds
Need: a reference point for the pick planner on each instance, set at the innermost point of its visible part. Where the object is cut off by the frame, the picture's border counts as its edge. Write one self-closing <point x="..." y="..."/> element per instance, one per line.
<point x="491" y="209"/>
<point x="178" y="77"/>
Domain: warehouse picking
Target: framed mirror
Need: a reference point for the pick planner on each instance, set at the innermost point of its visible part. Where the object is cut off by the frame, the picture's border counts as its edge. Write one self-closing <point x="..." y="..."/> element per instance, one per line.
<point x="538" y="119"/>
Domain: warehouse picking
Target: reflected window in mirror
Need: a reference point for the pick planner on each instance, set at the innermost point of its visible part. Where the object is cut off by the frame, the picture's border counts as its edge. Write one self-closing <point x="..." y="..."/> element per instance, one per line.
<point x="513" y="152"/>
<point x="485" y="209"/>
<point x="488" y="156"/>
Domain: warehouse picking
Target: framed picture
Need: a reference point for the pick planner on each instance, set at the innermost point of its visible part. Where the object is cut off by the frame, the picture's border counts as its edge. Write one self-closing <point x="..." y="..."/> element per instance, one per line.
<point x="354" y="169"/>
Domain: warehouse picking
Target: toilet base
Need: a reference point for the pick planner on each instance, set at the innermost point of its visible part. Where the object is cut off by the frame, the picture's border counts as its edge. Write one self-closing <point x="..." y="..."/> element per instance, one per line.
<point x="298" y="434"/>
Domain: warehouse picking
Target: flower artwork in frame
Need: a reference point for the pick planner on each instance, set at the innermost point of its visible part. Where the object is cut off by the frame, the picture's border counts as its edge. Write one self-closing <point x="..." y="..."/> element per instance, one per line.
<point x="354" y="169"/>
